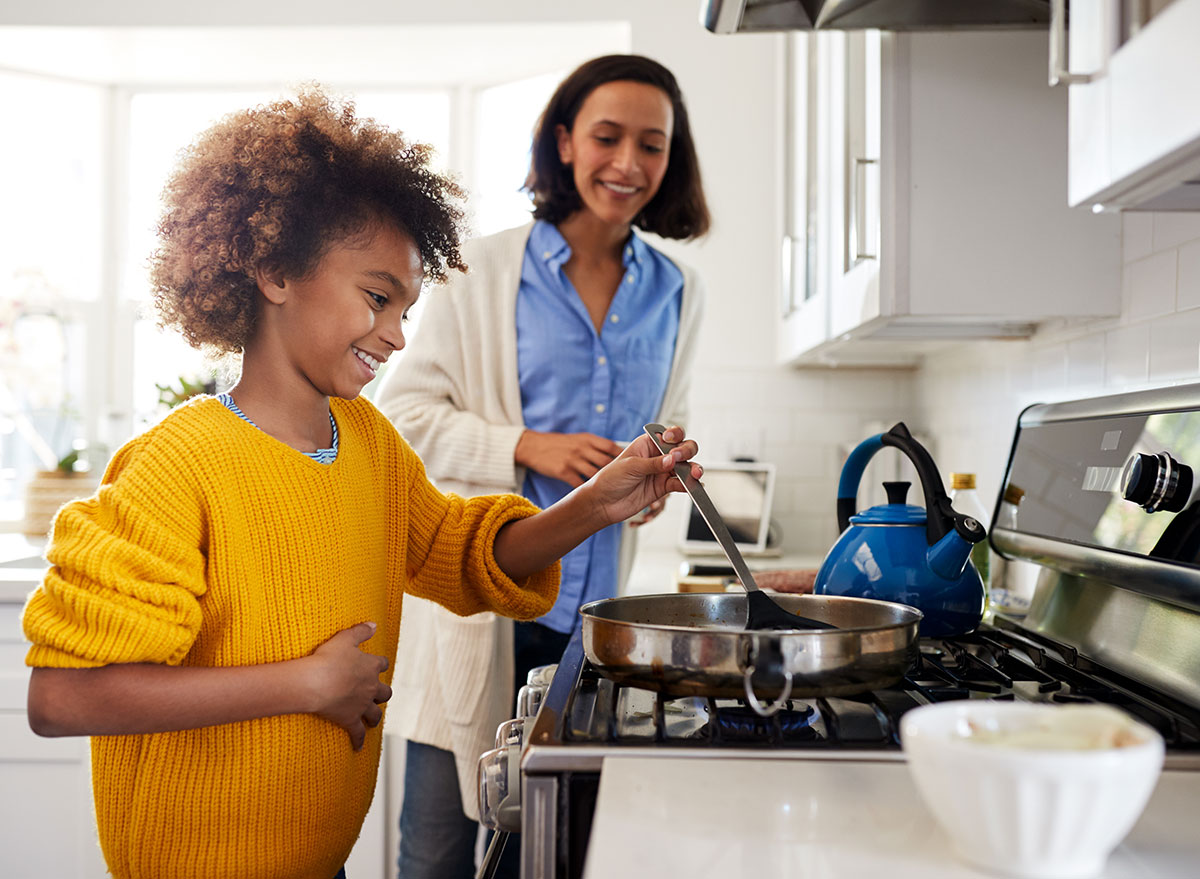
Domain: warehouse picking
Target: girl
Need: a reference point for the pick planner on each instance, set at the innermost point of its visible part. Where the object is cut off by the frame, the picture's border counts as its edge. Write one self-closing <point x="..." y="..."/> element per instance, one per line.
<point x="222" y="615"/>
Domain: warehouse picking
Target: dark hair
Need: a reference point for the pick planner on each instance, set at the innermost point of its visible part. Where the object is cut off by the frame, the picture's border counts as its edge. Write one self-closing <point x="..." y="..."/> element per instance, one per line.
<point x="278" y="185"/>
<point x="678" y="209"/>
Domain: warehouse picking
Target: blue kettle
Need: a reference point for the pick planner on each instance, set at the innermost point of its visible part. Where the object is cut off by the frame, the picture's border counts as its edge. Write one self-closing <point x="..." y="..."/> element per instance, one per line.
<point x="901" y="552"/>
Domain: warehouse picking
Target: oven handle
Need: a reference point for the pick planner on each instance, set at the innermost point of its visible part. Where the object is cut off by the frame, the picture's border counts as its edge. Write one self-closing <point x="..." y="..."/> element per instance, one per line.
<point x="491" y="858"/>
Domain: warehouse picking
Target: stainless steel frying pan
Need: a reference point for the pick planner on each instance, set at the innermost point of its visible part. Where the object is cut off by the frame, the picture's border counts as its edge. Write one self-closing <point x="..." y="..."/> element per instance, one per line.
<point x="696" y="644"/>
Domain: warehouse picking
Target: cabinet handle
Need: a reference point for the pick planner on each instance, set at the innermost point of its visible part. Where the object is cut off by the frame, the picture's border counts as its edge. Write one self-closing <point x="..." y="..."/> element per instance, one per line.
<point x="1060" y="64"/>
<point x="786" y="255"/>
<point x="862" y="218"/>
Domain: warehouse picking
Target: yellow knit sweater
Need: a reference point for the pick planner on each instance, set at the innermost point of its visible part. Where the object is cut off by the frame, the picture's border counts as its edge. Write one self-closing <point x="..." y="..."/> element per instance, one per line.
<point x="210" y="543"/>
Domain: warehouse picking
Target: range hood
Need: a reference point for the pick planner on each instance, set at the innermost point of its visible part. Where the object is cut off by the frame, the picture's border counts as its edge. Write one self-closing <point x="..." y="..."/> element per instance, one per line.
<point x="760" y="16"/>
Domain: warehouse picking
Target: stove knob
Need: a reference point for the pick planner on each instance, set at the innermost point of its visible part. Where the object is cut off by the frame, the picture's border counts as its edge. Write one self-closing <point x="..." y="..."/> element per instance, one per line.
<point x="499" y="780"/>
<point x="541" y="675"/>
<point x="1156" y="482"/>
<point x="512" y="732"/>
<point x="529" y="700"/>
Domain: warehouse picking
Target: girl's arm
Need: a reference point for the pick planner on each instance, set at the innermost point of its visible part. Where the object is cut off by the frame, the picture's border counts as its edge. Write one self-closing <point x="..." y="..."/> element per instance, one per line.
<point x="629" y="484"/>
<point x="338" y="681"/>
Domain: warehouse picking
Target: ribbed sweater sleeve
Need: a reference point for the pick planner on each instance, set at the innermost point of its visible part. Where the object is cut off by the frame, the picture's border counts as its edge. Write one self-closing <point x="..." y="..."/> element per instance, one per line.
<point x="451" y="557"/>
<point x="127" y="571"/>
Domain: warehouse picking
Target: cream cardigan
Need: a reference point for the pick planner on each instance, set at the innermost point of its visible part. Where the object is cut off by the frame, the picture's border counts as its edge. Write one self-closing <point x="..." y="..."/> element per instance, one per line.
<point x="455" y="396"/>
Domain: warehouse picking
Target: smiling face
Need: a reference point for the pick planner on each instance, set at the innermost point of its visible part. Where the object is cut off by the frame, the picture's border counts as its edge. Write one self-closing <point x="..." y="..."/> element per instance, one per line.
<point x="337" y="326"/>
<point x="618" y="148"/>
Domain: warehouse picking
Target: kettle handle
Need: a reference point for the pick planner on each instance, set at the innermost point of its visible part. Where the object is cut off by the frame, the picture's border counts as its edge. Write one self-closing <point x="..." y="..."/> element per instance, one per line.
<point x="940" y="517"/>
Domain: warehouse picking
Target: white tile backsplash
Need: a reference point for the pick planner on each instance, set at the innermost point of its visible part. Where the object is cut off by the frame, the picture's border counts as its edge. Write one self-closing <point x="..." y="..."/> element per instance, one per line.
<point x="1173" y="229"/>
<point x="1127" y="356"/>
<point x="1085" y="362"/>
<point x="1150" y="285"/>
<point x="1188" y="295"/>
<point x="1049" y="367"/>
<point x="1175" y="346"/>
<point x="1138" y="237"/>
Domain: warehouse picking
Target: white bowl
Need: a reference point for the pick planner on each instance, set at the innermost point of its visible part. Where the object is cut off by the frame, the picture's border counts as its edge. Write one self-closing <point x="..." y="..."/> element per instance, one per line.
<point x="1031" y="789"/>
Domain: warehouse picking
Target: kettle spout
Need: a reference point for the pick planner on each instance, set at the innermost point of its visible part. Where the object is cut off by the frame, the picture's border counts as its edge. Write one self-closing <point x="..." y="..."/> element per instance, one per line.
<point x="948" y="557"/>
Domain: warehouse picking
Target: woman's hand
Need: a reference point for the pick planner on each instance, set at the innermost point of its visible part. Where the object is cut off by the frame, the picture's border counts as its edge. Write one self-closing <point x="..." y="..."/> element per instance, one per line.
<point x="640" y="476"/>
<point x="572" y="457"/>
<point x="345" y="682"/>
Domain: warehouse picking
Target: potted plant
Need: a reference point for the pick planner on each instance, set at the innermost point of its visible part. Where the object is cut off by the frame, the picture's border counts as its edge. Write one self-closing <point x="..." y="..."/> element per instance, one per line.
<point x="48" y="490"/>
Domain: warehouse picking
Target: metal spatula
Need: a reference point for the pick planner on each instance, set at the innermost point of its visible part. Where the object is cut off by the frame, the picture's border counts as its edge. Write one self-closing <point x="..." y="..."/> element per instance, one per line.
<point x="762" y="612"/>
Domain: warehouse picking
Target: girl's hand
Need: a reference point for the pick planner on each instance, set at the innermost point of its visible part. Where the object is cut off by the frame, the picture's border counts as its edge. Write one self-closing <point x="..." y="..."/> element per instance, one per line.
<point x="640" y="476"/>
<point x="344" y="680"/>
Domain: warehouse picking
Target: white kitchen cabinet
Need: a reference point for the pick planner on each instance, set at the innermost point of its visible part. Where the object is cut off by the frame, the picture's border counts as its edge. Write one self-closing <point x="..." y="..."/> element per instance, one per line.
<point x="1132" y="69"/>
<point x="46" y="815"/>
<point x="805" y="269"/>
<point x="941" y="160"/>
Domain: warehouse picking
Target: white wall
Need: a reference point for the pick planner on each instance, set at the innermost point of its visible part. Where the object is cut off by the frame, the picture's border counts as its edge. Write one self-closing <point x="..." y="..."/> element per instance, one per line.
<point x="970" y="397"/>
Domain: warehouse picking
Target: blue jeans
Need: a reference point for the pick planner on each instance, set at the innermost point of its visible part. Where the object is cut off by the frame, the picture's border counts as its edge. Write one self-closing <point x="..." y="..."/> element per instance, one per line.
<point x="437" y="841"/>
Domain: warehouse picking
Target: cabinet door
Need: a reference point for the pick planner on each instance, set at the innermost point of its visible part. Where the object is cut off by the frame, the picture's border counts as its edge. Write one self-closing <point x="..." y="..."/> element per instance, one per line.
<point x="1134" y="129"/>
<point x="804" y="265"/>
<point x="46" y="810"/>
<point x="1093" y="37"/>
<point x="856" y="113"/>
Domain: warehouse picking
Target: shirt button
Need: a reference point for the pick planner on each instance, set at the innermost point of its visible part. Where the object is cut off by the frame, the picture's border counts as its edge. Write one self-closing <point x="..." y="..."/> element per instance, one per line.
<point x="602" y="360"/>
<point x="546" y="255"/>
<point x="599" y="407"/>
<point x="615" y="318"/>
<point x="629" y="278"/>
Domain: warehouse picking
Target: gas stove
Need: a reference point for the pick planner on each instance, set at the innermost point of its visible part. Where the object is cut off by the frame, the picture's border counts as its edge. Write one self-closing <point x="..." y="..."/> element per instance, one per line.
<point x="1101" y="506"/>
<point x="585" y="717"/>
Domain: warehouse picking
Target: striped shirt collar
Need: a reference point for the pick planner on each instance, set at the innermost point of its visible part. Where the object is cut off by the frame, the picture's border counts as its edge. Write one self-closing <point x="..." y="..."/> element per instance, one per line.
<point x="321" y="456"/>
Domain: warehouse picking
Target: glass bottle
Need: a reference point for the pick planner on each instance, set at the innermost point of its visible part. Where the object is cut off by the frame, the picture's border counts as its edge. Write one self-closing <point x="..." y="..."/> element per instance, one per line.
<point x="1013" y="581"/>
<point x="966" y="500"/>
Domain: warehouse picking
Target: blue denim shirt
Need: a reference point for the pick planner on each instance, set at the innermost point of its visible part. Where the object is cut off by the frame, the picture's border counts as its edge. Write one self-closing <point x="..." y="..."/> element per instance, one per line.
<point x="575" y="380"/>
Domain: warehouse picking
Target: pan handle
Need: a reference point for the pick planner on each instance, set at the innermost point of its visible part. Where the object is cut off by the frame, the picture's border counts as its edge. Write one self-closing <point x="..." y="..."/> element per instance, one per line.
<point x="759" y="708"/>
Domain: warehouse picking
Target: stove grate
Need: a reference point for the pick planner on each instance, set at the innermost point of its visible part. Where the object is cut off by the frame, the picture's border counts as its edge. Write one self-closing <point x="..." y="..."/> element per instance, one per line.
<point x="993" y="663"/>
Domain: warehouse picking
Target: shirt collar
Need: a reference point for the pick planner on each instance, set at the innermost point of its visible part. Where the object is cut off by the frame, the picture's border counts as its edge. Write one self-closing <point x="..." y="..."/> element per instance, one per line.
<point x="547" y="243"/>
<point x="635" y="249"/>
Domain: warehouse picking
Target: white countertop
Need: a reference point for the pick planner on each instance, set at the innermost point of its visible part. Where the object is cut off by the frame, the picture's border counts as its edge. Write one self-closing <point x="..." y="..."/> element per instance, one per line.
<point x="18" y="580"/>
<point x="824" y="819"/>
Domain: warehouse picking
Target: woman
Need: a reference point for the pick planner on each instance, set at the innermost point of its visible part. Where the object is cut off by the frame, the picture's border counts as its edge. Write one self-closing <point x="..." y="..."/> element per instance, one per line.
<point x="528" y="375"/>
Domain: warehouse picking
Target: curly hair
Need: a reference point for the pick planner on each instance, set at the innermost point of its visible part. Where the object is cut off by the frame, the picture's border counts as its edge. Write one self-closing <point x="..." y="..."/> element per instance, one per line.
<point x="277" y="186"/>
<point x="678" y="209"/>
